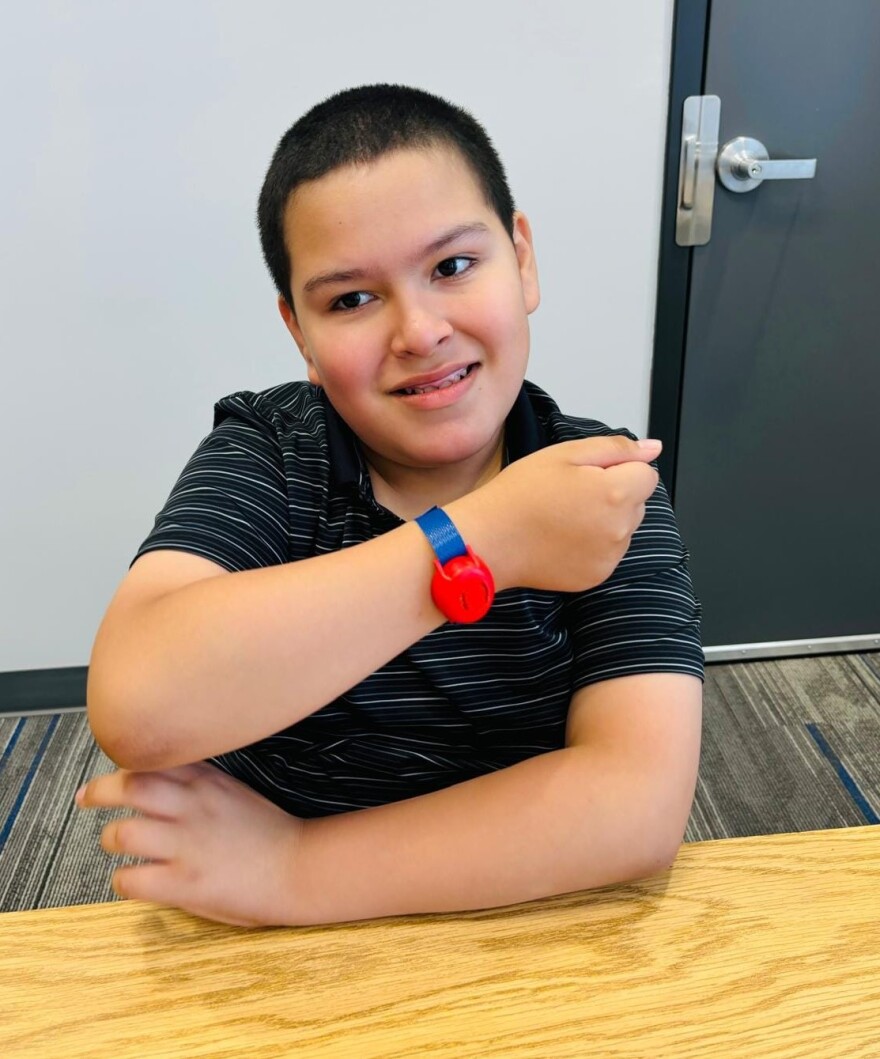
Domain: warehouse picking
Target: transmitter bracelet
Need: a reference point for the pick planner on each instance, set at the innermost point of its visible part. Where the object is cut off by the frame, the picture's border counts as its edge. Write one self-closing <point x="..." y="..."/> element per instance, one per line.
<point x="462" y="586"/>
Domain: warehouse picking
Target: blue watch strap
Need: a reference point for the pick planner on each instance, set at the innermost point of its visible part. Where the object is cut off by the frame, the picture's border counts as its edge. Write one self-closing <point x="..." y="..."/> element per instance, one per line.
<point x="440" y="530"/>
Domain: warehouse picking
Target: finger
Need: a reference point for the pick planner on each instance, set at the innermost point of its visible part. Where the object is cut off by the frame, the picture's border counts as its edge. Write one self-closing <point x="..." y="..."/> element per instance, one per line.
<point x="161" y="885"/>
<point x="140" y="836"/>
<point x="143" y="882"/>
<point x="154" y="793"/>
<point x="636" y="480"/>
<point x="639" y="517"/>
<point x="182" y="774"/>
<point x="611" y="450"/>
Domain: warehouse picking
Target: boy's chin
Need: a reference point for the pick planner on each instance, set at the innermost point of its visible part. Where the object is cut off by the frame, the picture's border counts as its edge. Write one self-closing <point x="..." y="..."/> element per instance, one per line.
<point x="442" y="457"/>
<point x="455" y="442"/>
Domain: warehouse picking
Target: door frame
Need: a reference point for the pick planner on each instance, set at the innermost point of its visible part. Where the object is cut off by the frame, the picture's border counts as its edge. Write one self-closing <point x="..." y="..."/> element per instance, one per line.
<point x="690" y="28"/>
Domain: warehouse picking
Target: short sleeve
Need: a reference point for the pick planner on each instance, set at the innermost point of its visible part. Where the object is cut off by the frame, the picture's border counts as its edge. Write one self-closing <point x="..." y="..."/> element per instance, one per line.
<point x="229" y="504"/>
<point x="645" y="618"/>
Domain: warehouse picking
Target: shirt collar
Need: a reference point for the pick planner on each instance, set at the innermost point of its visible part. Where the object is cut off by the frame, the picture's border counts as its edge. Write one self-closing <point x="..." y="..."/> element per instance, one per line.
<point x="523" y="434"/>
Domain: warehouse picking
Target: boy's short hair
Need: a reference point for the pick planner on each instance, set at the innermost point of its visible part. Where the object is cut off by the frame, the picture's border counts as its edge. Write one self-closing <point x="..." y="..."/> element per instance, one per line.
<point x="356" y="126"/>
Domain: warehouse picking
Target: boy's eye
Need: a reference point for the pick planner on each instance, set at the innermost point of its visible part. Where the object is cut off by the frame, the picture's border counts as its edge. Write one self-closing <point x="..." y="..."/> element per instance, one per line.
<point x="348" y="301"/>
<point x="444" y="267"/>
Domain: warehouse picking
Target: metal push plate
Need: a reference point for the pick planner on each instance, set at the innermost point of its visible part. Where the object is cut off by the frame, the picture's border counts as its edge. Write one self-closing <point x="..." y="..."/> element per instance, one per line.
<point x="696" y="170"/>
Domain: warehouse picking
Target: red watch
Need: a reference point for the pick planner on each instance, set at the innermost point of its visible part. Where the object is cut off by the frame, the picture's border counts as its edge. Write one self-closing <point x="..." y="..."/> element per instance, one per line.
<point x="462" y="586"/>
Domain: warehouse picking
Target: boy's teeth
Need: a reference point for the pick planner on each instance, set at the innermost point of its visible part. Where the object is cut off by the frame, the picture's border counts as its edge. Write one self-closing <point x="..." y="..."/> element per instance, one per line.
<point x="448" y="381"/>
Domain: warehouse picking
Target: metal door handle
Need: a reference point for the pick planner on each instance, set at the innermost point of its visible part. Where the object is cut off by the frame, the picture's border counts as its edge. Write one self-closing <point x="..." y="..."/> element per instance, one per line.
<point x="741" y="165"/>
<point x="744" y="163"/>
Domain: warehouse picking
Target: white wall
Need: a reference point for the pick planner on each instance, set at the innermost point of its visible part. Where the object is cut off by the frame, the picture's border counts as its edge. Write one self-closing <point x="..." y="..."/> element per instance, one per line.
<point x="132" y="290"/>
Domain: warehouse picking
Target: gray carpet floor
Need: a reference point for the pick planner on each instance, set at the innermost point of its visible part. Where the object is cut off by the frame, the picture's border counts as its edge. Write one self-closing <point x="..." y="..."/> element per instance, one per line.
<point x="788" y="745"/>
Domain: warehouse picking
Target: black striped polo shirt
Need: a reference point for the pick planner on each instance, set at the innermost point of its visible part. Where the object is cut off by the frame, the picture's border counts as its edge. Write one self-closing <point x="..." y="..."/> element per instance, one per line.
<point x="281" y="477"/>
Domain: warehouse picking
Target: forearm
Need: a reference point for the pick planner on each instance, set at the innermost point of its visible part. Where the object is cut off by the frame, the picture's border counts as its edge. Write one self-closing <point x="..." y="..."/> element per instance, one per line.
<point x="231" y="659"/>
<point x="559" y="822"/>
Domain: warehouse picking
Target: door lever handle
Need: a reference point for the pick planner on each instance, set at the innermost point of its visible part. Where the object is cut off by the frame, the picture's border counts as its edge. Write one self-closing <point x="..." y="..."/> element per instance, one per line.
<point x="743" y="164"/>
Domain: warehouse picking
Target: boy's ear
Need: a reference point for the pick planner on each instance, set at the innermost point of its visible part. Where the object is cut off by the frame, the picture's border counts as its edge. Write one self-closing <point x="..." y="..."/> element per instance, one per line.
<point x="290" y="322"/>
<point x="525" y="255"/>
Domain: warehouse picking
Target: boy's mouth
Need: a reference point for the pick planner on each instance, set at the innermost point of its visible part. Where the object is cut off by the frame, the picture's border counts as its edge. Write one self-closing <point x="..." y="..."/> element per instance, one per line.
<point x="441" y="384"/>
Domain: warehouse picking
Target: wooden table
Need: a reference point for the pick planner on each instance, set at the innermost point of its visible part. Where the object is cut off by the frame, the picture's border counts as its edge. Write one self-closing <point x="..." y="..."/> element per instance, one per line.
<point x="764" y="947"/>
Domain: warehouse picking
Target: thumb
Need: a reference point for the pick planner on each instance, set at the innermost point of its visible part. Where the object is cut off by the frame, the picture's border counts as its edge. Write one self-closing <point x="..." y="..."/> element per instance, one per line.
<point x="613" y="449"/>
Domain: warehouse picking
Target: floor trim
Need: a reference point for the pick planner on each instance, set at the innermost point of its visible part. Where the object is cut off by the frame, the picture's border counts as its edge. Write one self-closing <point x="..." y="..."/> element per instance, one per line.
<point x="43" y="690"/>
<point x="829" y="645"/>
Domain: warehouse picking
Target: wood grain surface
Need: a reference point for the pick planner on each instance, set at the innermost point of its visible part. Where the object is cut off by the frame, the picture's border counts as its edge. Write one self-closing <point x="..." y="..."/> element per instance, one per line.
<point x="765" y="946"/>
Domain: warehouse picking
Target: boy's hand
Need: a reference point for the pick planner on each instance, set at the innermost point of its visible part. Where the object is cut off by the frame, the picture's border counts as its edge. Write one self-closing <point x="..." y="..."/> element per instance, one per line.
<point x="561" y="519"/>
<point x="218" y="849"/>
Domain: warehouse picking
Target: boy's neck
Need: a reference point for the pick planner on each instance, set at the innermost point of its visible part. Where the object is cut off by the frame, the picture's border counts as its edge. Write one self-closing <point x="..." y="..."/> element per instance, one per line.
<point x="409" y="493"/>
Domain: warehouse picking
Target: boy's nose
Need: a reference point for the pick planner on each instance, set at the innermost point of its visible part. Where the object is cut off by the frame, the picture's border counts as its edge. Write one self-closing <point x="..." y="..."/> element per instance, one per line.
<point x="418" y="330"/>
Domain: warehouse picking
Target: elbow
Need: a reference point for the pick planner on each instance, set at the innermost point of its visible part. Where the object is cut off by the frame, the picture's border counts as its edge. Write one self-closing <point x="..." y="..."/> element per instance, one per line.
<point x="118" y="731"/>
<point x="118" y="754"/>
<point x="652" y="858"/>
<point x="660" y="859"/>
<point x="663" y="824"/>
<point x="130" y="748"/>
<point x="650" y="844"/>
<point x="118" y="750"/>
<point x="641" y="862"/>
<point x="661" y="846"/>
<point x="116" y="743"/>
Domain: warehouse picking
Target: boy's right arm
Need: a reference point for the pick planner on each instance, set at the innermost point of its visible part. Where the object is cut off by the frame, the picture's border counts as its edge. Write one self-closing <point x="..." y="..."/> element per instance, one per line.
<point x="182" y="673"/>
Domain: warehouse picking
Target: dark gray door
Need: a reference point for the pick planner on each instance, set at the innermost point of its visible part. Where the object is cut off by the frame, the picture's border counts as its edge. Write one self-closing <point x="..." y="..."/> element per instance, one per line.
<point x="777" y="484"/>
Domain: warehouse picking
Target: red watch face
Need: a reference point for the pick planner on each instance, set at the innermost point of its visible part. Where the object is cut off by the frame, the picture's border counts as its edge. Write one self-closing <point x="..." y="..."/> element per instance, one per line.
<point x="463" y="589"/>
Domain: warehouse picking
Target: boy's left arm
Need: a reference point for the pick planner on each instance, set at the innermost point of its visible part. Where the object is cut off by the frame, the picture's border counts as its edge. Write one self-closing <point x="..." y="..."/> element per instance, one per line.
<point x="609" y="807"/>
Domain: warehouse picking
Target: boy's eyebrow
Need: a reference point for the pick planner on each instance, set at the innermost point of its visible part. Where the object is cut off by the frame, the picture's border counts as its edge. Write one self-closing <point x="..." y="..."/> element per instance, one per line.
<point x="323" y="279"/>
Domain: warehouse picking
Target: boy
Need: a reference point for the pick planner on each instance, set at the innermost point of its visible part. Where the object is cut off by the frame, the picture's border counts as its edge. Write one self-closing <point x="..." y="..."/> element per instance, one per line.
<point x="404" y="637"/>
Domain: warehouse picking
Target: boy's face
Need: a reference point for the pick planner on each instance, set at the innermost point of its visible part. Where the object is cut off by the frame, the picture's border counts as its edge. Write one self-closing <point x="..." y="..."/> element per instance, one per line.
<point x="407" y="322"/>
